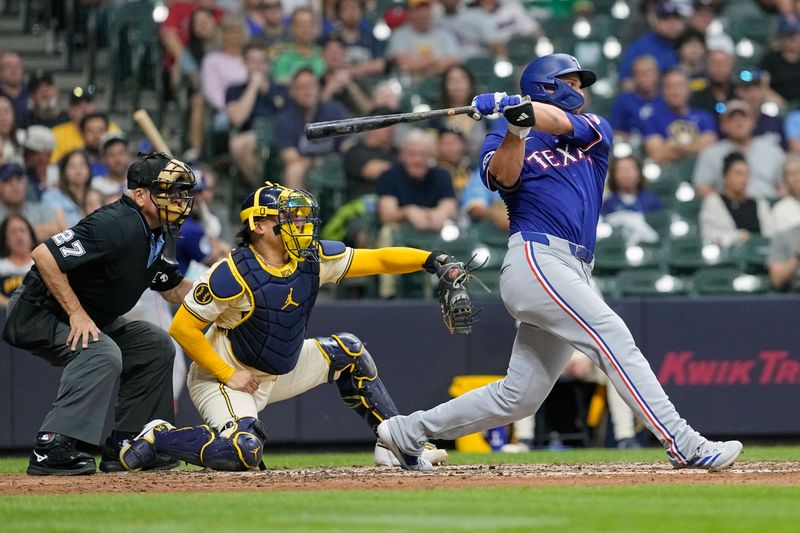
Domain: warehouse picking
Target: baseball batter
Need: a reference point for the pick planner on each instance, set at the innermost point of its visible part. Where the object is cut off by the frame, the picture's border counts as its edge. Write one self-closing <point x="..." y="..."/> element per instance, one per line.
<point x="257" y="302"/>
<point x="550" y="167"/>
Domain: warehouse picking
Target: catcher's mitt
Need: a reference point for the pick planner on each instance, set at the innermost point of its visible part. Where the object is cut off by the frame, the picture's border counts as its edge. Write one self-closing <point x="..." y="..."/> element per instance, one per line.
<point x="457" y="309"/>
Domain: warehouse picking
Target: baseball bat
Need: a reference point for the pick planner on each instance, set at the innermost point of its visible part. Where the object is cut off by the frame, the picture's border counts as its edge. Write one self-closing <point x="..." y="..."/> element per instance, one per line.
<point x="333" y="128"/>
<point x="145" y="123"/>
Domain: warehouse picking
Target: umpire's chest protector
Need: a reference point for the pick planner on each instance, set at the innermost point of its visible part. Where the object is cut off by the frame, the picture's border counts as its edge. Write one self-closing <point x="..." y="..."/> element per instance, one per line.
<point x="270" y="338"/>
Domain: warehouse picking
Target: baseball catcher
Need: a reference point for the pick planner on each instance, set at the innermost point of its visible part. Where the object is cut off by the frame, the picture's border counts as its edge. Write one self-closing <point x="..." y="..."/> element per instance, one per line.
<point x="256" y="304"/>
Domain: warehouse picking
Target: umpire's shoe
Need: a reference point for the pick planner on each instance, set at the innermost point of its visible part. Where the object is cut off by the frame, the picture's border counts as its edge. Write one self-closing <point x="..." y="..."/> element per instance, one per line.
<point x="110" y="461"/>
<point x="140" y="453"/>
<point x="55" y="455"/>
<point x="409" y="462"/>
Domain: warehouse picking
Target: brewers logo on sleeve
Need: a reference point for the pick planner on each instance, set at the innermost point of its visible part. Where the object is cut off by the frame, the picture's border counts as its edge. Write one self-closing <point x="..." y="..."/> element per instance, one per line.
<point x="202" y="294"/>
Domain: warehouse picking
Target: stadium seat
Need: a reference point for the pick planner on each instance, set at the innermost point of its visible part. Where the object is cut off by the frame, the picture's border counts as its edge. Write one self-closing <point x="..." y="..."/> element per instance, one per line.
<point x="685" y="255"/>
<point x="752" y="254"/>
<point x="660" y="221"/>
<point x="649" y="282"/>
<point x="521" y="50"/>
<point x="728" y="281"/>
<point x="610" y="255"/>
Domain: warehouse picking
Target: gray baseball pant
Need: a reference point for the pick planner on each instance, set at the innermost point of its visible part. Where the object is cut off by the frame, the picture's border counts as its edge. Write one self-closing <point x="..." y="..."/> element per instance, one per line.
<point x="548" y="291"/>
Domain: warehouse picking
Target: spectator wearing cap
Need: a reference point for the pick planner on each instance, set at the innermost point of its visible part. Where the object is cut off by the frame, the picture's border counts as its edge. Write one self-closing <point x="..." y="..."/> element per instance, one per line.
<point x="786" y="211"/>
<point x="764" y="155"/>
<point x="265" y="22"/>
<point x="363" y="53"/>
<point x="9" y="143"/>
<point x="302" y="50"/>
<point x="474" y="35"/>
<point x="117" y="158"/>
<point x="68" y="134"/>
<point x="731" y="216"/>
<point x="45" y="220"/>
<point x="93" y="127"/>
<point x="36" y="149"/>
<point x="371" y="156"/>
<point x="720" y="62"/>
<point x="200" y="240"/>
<point x="74" y="175"/>
<point x="667" y="22"/>
<point x="298" y="154"/>
<point x="44" y="108"/>
<point x="751" y="86"/>
<point x="12" y="84"/>
<point x="632" y="107"/>
<point x="418" y="47"/>
<point x="704" y="12"/>
<point x="783" y="64"/>
<point x="675" y="130"/>
<point x="338" y="83"/>
<point x="250" y="106"/>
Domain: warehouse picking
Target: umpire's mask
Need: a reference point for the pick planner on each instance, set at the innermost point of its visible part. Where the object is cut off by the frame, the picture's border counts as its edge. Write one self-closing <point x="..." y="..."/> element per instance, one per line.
<point x="170" y="183"/>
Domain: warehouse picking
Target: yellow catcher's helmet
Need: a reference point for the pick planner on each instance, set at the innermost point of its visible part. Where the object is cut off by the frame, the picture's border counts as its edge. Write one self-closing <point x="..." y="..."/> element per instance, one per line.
<point x="297" y="213"/>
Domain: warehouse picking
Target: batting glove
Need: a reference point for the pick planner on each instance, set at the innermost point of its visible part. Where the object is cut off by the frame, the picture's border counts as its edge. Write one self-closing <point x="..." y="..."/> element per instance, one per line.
<point x="518" y="111"/>
<point x="488" y="103"/>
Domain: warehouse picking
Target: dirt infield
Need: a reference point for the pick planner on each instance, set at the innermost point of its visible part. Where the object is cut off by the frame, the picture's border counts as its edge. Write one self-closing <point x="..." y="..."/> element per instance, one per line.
<point x="532" y="475"/>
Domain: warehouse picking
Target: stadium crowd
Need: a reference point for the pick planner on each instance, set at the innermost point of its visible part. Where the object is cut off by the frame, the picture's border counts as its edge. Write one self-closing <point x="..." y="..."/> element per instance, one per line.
<point x="707" y="140"/>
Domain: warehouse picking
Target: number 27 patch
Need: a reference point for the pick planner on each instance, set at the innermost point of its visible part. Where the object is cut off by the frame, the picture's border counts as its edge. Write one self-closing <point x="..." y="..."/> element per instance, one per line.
<point x="74" y="249"/>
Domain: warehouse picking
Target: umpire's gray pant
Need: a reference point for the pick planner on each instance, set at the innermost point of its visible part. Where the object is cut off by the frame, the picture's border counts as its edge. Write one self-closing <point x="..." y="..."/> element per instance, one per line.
<point x="140" y="354"/>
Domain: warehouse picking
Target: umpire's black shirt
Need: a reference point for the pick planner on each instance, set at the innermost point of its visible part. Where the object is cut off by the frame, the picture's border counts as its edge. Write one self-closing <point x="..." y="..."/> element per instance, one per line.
<point x="110" y="258"/>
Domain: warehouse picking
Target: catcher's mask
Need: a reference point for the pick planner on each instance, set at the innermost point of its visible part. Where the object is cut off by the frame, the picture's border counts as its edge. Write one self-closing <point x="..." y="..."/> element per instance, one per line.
<point x="170" y="183"/>
<point x="297" y="215"/>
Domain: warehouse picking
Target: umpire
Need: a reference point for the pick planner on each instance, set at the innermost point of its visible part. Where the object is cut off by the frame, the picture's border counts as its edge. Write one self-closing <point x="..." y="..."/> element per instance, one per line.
<point x="69" y="310"/>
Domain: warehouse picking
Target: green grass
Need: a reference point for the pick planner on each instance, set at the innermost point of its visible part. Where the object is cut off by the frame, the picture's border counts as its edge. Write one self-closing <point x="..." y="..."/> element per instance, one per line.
<point x="643" y="508"/>
<point x="673" y="508"/>
<point x="11" y="465"/>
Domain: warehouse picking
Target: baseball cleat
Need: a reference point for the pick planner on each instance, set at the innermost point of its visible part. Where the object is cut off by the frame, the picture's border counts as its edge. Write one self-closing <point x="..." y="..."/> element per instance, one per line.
<point x="408" y="462"/>
<point x="384" y="456"/>
<point x="140" y="453"/>
<point x="710" y="455"/>
<point x="58" y="457"/>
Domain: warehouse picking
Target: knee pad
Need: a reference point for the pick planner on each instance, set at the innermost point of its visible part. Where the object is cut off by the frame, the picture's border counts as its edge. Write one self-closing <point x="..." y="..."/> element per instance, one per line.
<point x="238" y="447"/>
<point x="358" y="382"/>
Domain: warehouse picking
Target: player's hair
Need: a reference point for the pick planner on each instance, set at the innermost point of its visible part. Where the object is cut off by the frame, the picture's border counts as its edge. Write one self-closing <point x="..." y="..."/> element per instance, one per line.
<point x="730" y="160"/>
<point x="612" y="173"/>
<point x="253" y="45"/>
<point x="4" y="251"/>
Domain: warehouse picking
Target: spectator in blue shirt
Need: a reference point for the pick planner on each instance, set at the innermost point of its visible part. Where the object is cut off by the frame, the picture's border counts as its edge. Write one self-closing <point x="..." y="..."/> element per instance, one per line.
<point x="252" y="105"/>
<point x="626" y="189"/>
<point x="676" y="131"/>
<point x="667" y="22"/>
<point x="481" y="204"/>
<point x="298" y="154"/>
<point x="631" y="108"/>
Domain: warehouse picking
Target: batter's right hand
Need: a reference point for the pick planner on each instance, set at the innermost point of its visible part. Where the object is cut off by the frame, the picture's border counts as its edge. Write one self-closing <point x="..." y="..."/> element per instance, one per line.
<point x="81" y="328"/>
<point x="488" y="103"/>
<point x="243" y="380"/>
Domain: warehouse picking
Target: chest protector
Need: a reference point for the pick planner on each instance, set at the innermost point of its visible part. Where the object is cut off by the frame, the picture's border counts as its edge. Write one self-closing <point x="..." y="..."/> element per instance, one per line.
<point x="270" y="339"/>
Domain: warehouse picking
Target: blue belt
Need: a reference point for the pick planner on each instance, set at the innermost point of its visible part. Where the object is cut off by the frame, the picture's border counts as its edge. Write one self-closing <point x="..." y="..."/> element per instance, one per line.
<point x="576" y="250"/>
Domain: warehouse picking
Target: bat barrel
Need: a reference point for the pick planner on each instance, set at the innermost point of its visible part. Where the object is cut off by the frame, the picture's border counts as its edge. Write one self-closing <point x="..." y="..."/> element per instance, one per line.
<point x="333" y="128"/>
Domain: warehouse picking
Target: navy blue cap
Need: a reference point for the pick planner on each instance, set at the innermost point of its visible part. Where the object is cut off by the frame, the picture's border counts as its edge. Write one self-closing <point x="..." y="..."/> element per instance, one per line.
<point x="788" y="26"/>
<point x="8" y="170"/>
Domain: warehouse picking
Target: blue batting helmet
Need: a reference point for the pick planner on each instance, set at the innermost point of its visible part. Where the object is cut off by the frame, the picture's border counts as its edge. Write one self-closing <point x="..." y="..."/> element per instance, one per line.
<point x="540" y="81"/>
